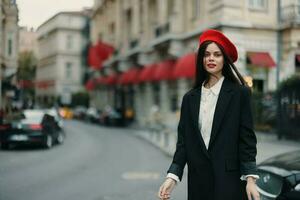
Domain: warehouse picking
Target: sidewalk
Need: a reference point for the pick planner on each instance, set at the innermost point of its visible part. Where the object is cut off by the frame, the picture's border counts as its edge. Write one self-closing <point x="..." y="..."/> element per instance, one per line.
<point x="267" y="143"/>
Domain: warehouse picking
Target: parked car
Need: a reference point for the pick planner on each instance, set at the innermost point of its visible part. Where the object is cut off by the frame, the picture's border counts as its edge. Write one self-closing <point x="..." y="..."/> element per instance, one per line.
<point x="280" y="177"/>
<point x="79" y="112"/>
<point x="93" y="115"/>
<point x="111" y="117"/>
<point x="31" y="127"/>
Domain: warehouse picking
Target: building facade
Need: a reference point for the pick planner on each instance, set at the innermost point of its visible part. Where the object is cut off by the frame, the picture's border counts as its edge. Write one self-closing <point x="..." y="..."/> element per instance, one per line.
<point x="8" y="47"/>
<point x="147" y="32"/>
<point x="61" y="66"/>
<point x="28" y="40"/>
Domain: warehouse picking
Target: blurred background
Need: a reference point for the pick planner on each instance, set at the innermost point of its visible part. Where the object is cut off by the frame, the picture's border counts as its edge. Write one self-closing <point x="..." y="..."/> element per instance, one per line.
<point x="108" y="77"/>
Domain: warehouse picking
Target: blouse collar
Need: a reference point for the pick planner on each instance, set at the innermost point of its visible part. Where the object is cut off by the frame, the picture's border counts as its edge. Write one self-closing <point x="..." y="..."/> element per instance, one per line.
<point x="215" y="89"/>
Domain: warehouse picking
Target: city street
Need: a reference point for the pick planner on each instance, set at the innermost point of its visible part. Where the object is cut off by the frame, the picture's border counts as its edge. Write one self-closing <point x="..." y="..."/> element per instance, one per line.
<point x="97" y="163"/>
<point x="139" y="69"/>
<point x="94" y="163"/>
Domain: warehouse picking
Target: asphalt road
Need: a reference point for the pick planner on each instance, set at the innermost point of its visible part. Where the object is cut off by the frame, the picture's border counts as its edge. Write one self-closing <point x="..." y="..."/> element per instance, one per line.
<point x="98" y="163"/>
<point x="94" y="163"/>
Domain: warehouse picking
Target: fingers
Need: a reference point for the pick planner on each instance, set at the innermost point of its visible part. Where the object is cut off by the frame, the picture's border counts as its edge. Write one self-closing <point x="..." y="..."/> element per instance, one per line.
<point x="159" y="194"/>
<point x="256" y="196"/>
<point x="249" y="195"/>
<point x="166" y="196"/>
<point x="163" y="194"/>
<point x="253" y="195"/>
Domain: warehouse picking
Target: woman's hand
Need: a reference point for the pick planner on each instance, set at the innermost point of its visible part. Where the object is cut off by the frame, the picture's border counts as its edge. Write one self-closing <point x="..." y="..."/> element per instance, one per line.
<point x="251" y="189"/>
<point x="166" y="189"/>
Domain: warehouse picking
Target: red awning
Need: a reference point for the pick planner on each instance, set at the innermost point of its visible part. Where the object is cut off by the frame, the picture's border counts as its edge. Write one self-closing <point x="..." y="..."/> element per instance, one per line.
<point x="44" y="83"/>
<point x="130" y="76"/>
<point x="164" y="70"/>
<point x="123" y="78"/>
<point x="147" y="73"/>
<point x="112" y="79"/>
<point x="98" y="53"/>
<point x="104" y="50"/>
<point x="26" y="84"/>
<point x="185" y="66"/>
<point x="133" y="75"/>
<point x="101" y="80"/>
<point x="94" y="60"/>
<point x="261" y="59"/>
<point x="90" y="85"/>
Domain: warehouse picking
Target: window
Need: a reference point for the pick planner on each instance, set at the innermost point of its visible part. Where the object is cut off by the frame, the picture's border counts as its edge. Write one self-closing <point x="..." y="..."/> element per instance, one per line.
<point x="258" y="85"/>
<point x="100" y="35"/>
<point x="156" y="95"/>
<point x="112" y="31"/>
<point x="173" y="96"/>
<point x="196" y="8"/>
<point x="129" y="23"/>
<point x="297" y="63"/>
<point x="170" y="8"/>
<point x="69" y="44"/>
<point x="68" y="70"/>
<point x="258" y="4"/>
<point x="12" y="2"/>
<point x="141" y="19"/>
<point x="112" y="28"/>
<point x="153" y="13"/>
<point x="9" y="49"/>
<point x="298" y="7"/>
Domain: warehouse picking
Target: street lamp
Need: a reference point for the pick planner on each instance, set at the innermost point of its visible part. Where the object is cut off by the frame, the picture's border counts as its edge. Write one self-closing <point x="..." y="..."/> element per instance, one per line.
<point x="0" y="87"/>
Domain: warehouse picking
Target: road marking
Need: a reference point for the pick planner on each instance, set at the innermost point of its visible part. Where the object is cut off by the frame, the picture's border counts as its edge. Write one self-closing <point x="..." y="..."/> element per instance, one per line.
<point x="140" y="175"/>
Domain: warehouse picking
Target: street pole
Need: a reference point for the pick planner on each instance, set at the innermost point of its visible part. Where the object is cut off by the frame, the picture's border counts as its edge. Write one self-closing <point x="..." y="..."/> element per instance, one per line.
<point x="278" y="44"/>
<point x="279" y="49"/>
<point x="0" y="87"/>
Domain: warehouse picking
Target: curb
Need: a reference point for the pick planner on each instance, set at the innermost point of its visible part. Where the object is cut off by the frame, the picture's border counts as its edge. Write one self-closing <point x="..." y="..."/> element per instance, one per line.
<point x="165" y="141"/>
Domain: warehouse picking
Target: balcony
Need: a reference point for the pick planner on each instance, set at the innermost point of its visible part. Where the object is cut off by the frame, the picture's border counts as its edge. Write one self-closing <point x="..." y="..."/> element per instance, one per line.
<point x="291" y="14"/>
<point x="133" y="43"/>
<point x="162" y="30"/>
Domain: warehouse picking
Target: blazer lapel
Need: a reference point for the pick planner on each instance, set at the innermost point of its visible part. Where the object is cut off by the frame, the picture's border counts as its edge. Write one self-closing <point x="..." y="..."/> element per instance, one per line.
<point x="222" y="104"/>
<point x="195" y="109"/>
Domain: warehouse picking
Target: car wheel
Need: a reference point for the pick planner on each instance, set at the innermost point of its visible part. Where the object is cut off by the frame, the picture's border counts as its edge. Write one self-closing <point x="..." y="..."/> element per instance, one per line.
<point x="49" y="142"/>
<point x="60" y="138"/>
<point x="4" y="146"/>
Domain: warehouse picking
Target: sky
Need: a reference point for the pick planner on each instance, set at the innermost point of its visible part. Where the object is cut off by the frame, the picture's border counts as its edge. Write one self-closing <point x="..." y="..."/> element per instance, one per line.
<point x="33" y="13"/>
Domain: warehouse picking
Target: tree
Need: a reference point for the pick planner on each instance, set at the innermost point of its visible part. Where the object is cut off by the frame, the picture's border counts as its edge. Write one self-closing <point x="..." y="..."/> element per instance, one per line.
<point x="27" y="66"/>
<point x="26" y="72"/>
<point x="80" y="98"/>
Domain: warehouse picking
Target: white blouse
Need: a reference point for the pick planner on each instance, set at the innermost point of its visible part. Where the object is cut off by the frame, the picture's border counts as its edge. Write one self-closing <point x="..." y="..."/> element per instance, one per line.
<point x="208" y="102"/>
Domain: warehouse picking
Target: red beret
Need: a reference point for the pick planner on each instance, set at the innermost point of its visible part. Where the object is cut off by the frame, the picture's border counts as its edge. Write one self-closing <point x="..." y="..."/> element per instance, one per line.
<point x="221" y="39"/>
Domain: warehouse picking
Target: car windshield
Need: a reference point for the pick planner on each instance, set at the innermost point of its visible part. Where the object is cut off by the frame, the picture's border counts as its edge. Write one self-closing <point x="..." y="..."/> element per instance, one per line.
<point x="53" y="113"/>
<point x="33" y="117"/>
<point x="269" y="184"/>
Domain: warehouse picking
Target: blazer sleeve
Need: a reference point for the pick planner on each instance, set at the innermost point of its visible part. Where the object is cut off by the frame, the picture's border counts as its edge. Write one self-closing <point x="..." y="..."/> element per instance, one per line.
<point x="247" y="138"/>
<point x="179" y="158"/>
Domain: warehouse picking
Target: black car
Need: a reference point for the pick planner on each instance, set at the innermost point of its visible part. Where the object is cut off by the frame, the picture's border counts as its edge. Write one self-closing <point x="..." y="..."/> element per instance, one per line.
<point x="280" y="177"/>
<point x="34" y="127"/>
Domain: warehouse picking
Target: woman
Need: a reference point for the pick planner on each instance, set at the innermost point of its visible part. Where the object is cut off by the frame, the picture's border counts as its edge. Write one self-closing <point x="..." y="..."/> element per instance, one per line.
<point x="215" y="131"/>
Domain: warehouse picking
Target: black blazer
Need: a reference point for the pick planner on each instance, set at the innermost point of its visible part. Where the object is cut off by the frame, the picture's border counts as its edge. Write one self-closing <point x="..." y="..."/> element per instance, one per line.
<point x="214" y="173"/>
